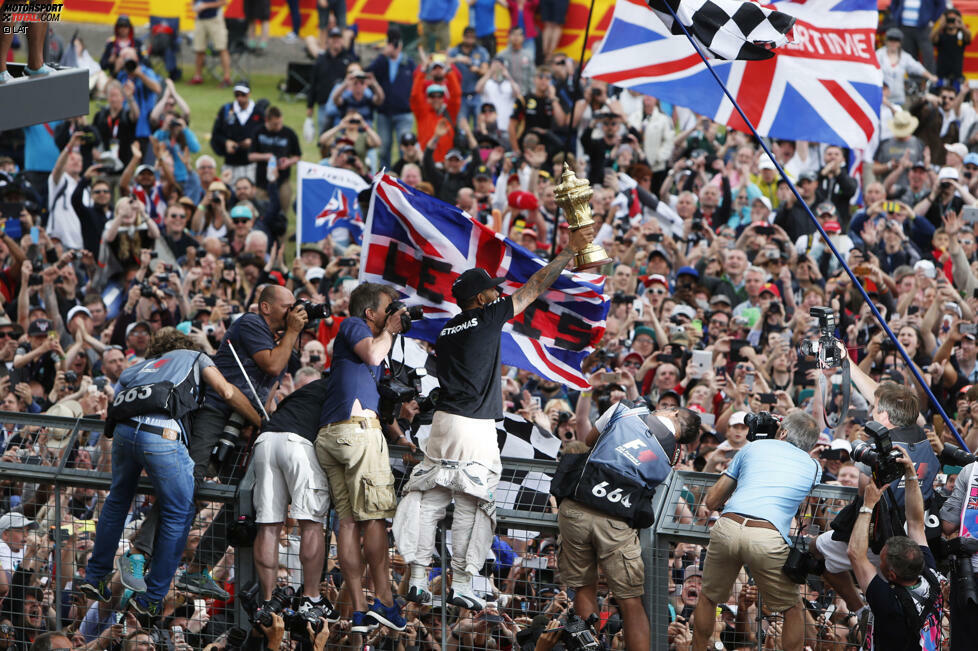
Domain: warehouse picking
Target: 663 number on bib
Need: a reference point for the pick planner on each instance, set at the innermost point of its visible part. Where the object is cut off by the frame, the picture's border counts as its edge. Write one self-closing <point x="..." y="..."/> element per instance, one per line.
<point x="614" y="496"/>
<point x="135" y="393"/>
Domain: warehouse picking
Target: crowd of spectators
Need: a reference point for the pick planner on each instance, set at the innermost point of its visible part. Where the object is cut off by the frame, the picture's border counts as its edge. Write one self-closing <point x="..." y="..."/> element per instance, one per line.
<point x="126" y="221"/>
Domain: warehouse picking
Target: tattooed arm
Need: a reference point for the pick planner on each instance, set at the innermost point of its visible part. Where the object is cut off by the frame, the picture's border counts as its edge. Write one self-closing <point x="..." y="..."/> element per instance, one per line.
<point x="543" y="279"/>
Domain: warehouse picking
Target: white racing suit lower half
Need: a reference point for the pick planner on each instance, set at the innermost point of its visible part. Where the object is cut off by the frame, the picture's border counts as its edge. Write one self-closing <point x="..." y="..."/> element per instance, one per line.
<point x="461" y="462"/>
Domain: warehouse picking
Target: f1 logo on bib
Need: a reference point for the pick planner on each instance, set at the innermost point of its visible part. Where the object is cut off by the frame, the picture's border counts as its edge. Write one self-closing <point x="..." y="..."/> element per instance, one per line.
<point x="627" y="450"/>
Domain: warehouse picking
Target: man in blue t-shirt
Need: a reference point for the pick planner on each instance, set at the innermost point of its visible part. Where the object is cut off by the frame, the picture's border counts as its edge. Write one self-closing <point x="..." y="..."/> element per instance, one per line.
<point x="353" y="451"/>
<point x="759" y="493"/>
<point x="472" y="61"/>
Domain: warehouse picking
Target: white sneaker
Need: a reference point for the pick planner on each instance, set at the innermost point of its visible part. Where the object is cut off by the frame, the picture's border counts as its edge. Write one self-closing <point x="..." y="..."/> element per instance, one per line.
<point x="291" y="38"/>
<point x="465" y="598"/>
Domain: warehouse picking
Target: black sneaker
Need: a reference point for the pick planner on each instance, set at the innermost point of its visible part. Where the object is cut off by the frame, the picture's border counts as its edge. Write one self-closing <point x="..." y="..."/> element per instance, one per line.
<point x="418" y="595"/>
<point x="97" y="591"/>
<point x="145" y="609"/>
<point x="202" y="584"/>
<point x="321" y="608"/>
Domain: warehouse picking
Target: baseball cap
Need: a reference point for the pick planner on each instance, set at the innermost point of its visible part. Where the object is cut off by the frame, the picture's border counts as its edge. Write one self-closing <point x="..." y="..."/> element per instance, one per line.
<point x="840" y="444"/>
<point x="241" y="212"/>
<point x="766" y="163"/>
<point x="436" y="88"/>
<point x="689" y="271"/>
<point x="720" y="298"/>
<point x="660" y="250"/>
<point x="409" y="139"/>
<point x="473" y="281"/>
<point x="14" y="520"/>
<point x="683" y="310"/>
<point x="894" y="34"/>
<point x="315" y="273"/>
<point x="643" y="330"/>
<point x="656" y="278"/>
<point x="39" y="327"/>
<point x="971" y="159"/>
<point x="832" y="226"/>
<point x="454" y="153"/>
<point x="947" y="173"/>
<point x="927" y="267"/>
<point x="691" y="571"/>
<point x="739" y="418"/>
<point x="482" y="172"/>
<point x="772" y="288"/>
<point x="764" y="200"/>
<point x="807" y="176"/>
<point x="75" y="311"/>
<point x="137" y="324"/>
<point x="242" y="87"/>
<point x="529" y="231"/>
<point x="336" y="31"/>
<point x="523" y="200"/>
<point x="633" y="356"/>
<point x="957" y="148"/>
<point x="145" y="168"/>
<point x="825" y="208"/>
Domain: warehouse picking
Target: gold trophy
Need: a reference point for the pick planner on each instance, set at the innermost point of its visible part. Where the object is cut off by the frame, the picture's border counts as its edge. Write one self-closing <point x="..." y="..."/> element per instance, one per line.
<point x="573" y="195"/>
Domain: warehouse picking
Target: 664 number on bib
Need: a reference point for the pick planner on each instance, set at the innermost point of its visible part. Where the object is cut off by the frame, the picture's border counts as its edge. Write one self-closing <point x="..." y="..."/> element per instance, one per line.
<point x="615" y="495"/>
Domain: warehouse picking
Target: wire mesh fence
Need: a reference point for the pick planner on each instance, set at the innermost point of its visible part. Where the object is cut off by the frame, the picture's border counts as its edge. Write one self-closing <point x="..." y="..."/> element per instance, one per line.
<point x="57" y="474"/>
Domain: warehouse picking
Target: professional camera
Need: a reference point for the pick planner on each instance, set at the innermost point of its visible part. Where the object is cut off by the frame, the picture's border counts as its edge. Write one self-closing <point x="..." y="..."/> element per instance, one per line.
<point x="879" y="455"/>
<point x="225" y="445"/>
<point x="579" y="634"/>
<point x="237" y="637"/>
<point x="314" y="311"/>
<point x="800" y="563"/>
<point x="413" y="313"/>
<point x="146" y="290"/>
<point x="279" y="604"/>
<point x="130" y="66"/>
<point x="622" y="297"/>
<point x="396" y="389"/>
<point x="763" y="425"/>
<point x="826" y="346"/>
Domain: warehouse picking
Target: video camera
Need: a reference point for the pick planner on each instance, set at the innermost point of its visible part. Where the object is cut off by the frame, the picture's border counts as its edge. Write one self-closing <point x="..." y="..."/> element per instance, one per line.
<point x="880" y="455"/>
<point x="825" y="348"/>
<point x="763" y="425"/>
<point x="579" y="634"/>
<point x="413" y="313"/>
<point x="396" y="389"/>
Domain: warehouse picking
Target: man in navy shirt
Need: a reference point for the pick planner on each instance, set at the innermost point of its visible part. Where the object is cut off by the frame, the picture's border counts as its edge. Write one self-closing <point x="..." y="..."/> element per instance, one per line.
<point x="264" y="360"/>
<point x="353" y="451"/>
<point x="903" y="562"/>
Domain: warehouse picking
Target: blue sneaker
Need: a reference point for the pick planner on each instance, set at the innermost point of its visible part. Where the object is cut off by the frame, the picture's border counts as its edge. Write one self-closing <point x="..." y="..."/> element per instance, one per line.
<point x="96" y="590"/>
<point x="361" y="623"/>
<point x="389" y="616"/>
<point x="146" y="608"/>
<point x="131" y="568"/>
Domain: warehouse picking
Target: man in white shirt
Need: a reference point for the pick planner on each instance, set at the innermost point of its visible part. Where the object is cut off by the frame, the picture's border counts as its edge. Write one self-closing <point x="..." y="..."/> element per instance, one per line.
<point x="63" y="223"/>
<point x="13" y="533"/>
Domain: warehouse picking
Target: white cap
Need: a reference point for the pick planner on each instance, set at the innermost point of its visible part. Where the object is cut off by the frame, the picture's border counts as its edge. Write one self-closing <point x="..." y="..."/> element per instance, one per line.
<point x="927" y="267"/>
<point x="78" y="309"/>
<point x="764" y="200"/>
<point x="14" y="520"/>
<point x="841" y="444"/>
<point x="948" y="173"/>
<point x="766" y="163"/>
<point x="315" y="273"/>
<point x="683" y="310"/>
<point x="738" y="418"/>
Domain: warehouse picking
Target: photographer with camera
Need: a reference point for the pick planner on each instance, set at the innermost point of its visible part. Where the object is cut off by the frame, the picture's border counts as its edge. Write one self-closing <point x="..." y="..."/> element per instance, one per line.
<point x="149" y="424"/>
<point x="217" y="424"/>
<point x="760" y="493"/>
<point x="352" y="450"/>
<point x="290" y="482"/>
<point x="605" y="495"/>
<point x="461" y="459"/>
<point x="904" y="594"/>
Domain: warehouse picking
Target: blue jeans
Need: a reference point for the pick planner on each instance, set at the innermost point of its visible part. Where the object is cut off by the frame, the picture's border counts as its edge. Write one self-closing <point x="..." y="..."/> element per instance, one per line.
<point x="171" y="471"/>
<point x="387" y="127"/>
<point x="469" y="109"/>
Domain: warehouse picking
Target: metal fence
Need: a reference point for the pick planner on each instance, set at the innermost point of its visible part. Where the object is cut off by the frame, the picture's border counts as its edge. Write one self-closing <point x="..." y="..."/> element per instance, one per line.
<point x="57" y="473"/>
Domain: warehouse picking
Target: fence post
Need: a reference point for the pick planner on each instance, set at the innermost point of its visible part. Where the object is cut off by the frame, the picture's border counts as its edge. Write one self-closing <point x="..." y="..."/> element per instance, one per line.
<point x="244" y="566"/>
<point x="443" y="527"/>
<point x="656" y="565"/>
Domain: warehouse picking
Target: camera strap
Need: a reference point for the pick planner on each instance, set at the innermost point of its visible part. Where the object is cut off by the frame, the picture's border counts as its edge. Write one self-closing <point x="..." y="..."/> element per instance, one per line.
<point x="247" y="379"/>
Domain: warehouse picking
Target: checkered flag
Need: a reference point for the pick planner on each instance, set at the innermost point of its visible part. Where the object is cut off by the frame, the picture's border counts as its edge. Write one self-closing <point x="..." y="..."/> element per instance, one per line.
<point x="728" y="29"/>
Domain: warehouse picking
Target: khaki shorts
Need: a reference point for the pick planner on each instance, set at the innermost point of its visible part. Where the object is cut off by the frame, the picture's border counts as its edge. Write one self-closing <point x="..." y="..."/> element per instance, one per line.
<point x="287" y="472"/>
<point x="589" y="539"/>
<point x="357" y="464"/>
<point x="764" y="551"/>
<point x="213" y="31"/>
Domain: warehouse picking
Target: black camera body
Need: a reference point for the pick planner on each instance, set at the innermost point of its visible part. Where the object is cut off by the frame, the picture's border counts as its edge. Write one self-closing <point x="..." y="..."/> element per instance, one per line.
<point x="880" y="455"/>
<point x="579" y="634"/>
<point x="801" y="563"/>
<point x="763" y="425"/>
<point x="283" y="604"/>
<point x="397" y="389"/>
<point x="825" y="348"/>
<point x="130" y="66"/>
<point x="622" y="297"/>
<point x="146" y="290"/>
<point x="413" y="313"/>
<point x="315" y="312"/>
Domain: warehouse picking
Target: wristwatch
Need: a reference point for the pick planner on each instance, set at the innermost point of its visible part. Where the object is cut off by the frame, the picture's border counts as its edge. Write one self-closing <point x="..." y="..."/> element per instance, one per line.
<point x="865" y="509"/>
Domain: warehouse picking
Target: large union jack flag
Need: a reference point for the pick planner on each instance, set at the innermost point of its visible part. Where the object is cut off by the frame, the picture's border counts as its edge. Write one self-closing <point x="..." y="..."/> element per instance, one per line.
<point x="420" y="245"/>
<point x="824" y="86"/>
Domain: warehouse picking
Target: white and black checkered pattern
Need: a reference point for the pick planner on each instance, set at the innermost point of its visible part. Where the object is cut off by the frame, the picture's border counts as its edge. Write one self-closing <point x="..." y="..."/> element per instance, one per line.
<point x="728" y="29"/>
<point x="521" y="439"/>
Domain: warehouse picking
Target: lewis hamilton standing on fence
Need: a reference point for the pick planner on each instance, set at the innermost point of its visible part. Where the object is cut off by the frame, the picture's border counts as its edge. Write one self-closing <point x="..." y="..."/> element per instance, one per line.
<point x="461" y="456"/>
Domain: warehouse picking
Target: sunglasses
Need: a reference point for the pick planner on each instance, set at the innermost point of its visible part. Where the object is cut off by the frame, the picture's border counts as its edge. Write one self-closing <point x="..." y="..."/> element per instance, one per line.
<point x="657" y="290"/>
<point x="100" y="191"/>
<point x="241" y="221"/>
<point x="744" y="367"/>
<point x="177" y="215"/>
<point x="8" y="334"/>
<point x="633" y="364"/>
<point x="562" y="62"/>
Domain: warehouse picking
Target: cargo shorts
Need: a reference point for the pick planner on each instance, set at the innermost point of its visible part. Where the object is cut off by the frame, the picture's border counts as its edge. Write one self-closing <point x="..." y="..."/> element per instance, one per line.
<point x="589" y="539"/>
<point x="355" y="458"/>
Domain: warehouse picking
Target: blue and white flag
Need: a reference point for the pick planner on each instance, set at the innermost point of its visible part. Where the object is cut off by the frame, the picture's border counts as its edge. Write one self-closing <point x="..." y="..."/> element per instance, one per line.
<point x="327" y="200"/>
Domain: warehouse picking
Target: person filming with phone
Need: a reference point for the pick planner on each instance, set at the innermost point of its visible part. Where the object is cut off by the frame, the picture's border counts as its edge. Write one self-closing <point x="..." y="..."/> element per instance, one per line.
<point x="605" y="495"/>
